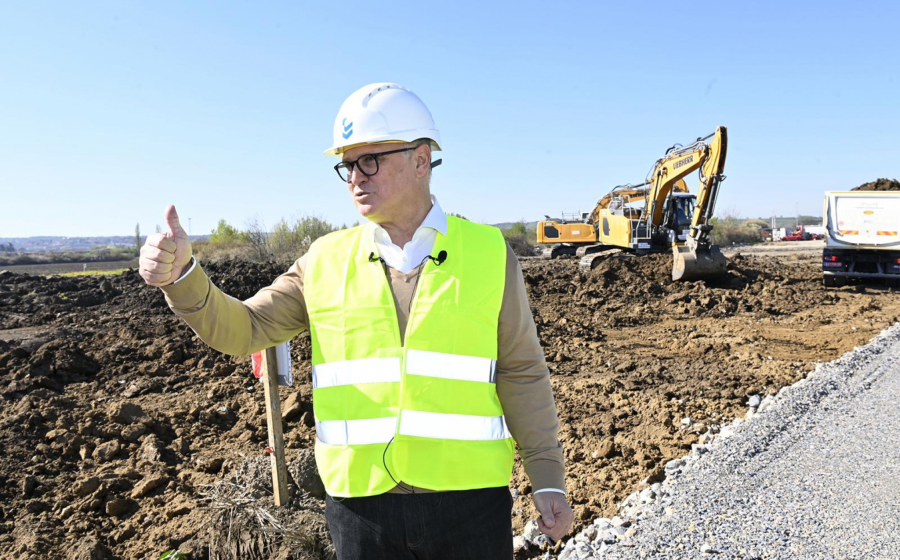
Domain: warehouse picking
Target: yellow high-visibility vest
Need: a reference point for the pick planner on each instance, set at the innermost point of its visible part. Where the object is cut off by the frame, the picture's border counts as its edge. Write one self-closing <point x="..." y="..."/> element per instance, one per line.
<point x="425" y="412"/>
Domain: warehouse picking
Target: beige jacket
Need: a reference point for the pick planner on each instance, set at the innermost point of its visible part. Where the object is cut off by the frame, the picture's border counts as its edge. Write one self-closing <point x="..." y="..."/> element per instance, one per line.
<point x="278" y="313"/>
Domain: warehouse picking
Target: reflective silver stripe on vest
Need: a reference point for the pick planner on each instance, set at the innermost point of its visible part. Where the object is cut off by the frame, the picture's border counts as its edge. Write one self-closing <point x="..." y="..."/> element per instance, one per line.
<point x="355" y="372"/>
<point x="356" y="432"/>
<point x="451" y="366"/>
<point x="452" y="426"/>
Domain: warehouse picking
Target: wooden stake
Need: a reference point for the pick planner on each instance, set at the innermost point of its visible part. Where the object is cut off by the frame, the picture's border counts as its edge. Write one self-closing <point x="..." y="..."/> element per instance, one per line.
<point x="276" y="436"/>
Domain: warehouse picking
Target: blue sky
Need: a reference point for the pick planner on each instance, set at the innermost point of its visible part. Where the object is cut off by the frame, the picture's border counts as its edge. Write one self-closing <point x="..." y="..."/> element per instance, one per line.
<point x="111" y="110"/>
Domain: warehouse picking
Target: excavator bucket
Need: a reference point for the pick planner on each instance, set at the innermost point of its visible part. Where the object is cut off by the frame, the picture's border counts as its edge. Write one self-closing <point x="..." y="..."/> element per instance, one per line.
<point x="697" y="264"/>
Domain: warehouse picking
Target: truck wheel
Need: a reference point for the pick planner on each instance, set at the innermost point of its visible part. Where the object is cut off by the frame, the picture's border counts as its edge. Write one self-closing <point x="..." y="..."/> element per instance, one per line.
<point x="828" y="281"/>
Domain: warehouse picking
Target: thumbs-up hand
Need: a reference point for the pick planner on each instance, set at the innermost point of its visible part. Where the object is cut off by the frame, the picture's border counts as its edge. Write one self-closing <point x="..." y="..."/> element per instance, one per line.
<point x="165" y="256"/>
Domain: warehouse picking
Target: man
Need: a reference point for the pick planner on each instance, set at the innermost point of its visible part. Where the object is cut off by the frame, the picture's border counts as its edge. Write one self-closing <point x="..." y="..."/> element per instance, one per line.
<point x="426" y="363"/>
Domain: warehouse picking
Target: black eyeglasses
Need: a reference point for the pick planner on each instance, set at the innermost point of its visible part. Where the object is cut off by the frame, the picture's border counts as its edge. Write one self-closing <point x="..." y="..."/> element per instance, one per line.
<point x="368" y="164"/>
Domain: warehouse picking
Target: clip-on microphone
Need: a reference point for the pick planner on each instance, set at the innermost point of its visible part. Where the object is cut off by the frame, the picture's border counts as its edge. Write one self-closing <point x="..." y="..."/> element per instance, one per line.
<point x="439" y="260"/>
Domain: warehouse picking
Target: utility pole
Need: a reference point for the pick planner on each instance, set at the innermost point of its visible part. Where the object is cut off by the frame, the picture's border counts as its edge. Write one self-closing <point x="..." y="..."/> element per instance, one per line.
<point x="189" y="228"/>
<point x="797" y="209"/>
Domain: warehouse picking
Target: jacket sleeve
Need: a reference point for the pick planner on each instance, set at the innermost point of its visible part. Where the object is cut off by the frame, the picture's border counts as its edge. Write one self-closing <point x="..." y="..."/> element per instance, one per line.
<point x="275" y="314"/>
<point x="523" y="385"/>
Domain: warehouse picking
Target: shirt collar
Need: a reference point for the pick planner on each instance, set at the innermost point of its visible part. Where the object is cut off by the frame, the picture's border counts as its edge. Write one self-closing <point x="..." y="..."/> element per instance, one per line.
<point x="435" y="219"/>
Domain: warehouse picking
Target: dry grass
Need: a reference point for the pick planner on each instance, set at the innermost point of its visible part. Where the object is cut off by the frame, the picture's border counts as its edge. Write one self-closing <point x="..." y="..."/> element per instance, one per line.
<point x="725" y="234"/>
<point x="93" y="272"/>
<point x="521" y="245"/>
<point x="217" y="252"/>
<point x="245" y="524"/>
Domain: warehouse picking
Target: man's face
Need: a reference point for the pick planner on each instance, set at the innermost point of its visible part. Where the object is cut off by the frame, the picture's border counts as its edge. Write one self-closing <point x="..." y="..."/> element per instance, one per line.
<point x="383" y="196"/>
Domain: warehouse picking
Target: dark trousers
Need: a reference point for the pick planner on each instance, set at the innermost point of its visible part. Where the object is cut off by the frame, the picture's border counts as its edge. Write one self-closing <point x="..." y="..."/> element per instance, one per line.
<point x="462" y="525"/>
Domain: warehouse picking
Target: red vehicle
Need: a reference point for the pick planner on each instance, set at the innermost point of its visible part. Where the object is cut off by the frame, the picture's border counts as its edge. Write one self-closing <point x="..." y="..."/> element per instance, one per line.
<point x="800" y="234"/>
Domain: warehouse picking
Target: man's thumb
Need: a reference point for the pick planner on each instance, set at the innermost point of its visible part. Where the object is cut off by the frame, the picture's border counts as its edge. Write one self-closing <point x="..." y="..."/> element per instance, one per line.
<point x="547" y="517"/>
<point x="172" y="221"/>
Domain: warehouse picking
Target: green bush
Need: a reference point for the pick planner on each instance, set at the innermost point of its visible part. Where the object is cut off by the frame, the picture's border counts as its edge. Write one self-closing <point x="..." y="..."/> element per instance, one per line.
<point x="521" y="245"/>
<point x="213" y="252"/>
<point x="756" y="223"/>
<point x="284" y="243"/>
<point x="224" y="234"/>
<point x="290" y="242"/>
<point x="723" y="235"/>
<point x="521" y="239"/>
<point x="729" y="228"/>
<point x="517" y="228"/>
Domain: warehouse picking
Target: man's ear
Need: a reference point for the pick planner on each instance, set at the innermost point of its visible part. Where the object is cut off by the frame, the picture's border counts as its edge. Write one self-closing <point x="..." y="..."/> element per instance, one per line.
<point x="423" y="160"/>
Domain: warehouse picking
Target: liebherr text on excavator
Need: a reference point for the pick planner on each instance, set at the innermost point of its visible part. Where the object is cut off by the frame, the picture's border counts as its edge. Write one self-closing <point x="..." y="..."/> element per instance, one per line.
<point x="667" y="216"/>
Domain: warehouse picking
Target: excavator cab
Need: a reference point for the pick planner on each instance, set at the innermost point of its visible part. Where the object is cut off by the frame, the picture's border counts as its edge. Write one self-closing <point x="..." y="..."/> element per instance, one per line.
<point x="690" y="263"/>
<point x="679" y="209"/>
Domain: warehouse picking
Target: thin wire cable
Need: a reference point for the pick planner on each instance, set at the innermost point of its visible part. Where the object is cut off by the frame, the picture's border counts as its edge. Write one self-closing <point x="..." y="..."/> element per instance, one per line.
<point x="408" y="310"/>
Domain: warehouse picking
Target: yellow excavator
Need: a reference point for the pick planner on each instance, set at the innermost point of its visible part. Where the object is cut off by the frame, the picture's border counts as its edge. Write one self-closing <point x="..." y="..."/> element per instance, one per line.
<point x="654" y="216"/>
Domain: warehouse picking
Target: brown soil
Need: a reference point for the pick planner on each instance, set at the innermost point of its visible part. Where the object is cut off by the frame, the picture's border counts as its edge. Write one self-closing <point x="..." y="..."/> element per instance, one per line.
<point x="880" y="185"/>
<point x="114" y="417"/>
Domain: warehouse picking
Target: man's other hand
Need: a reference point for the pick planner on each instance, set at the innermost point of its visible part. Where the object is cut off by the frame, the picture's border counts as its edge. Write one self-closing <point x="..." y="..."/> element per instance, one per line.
<point x="165" y="256"/>
<point x="556" y="515"/>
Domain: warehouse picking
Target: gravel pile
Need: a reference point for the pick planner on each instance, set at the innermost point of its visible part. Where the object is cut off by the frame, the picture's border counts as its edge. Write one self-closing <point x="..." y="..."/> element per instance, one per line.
<point x="813" y="472"/>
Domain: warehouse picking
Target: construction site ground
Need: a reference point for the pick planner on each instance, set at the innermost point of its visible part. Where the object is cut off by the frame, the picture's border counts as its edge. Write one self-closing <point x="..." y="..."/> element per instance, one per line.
<point x="115" y="418"/>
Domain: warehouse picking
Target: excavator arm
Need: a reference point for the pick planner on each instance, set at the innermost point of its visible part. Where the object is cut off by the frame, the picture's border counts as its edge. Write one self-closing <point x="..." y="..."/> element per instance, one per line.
<point x="678" y="163"/>
<point x="698" y="257"/>
<point x="711" y="176"/>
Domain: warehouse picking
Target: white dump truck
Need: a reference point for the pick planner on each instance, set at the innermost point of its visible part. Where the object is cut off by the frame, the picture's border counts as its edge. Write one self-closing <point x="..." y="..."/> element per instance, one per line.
<point x="862" y="236"/>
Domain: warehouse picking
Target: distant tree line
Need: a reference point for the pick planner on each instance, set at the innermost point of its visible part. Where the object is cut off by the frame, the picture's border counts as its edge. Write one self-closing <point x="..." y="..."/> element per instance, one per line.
<point x="96" y="254"/>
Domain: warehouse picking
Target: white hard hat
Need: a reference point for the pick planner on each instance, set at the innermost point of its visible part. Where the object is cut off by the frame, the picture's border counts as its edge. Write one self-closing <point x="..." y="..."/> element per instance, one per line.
<point x="382" y="113"/>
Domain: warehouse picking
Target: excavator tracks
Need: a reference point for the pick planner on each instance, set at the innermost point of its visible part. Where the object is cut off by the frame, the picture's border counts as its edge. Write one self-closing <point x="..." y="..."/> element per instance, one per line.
<point x="558" y="251"/>
<point x="592" y="260"/>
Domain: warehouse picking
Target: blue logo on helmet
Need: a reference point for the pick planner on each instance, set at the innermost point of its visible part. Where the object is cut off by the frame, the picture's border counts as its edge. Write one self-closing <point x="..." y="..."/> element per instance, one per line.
<point x="348" y="129"/>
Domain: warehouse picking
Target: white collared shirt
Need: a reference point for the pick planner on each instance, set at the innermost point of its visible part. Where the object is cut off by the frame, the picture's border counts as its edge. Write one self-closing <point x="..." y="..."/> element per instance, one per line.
<point x="411" y="255"/>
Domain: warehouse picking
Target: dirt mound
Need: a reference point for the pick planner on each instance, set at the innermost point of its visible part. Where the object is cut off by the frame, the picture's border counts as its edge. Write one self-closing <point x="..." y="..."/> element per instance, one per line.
<point x="631" y="291"/>
<point x="880" y="185"/>
<point x="72" y="352"/>
<point x="30" y="300"/>
<point x="115" y="418"/>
